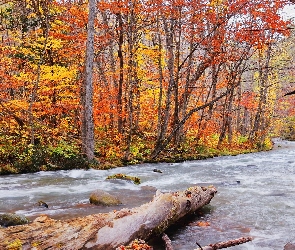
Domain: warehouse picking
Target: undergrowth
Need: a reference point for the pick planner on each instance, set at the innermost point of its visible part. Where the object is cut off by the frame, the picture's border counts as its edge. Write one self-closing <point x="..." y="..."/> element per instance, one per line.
<point x="18" y="157"/>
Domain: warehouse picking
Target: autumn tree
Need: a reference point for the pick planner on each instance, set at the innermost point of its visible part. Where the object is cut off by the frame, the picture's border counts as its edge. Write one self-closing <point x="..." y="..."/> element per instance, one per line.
<point x="133" y="80"/>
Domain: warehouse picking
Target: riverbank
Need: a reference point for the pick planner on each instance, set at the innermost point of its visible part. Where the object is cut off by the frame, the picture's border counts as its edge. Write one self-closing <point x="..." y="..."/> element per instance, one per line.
<point x="66" y="157"/>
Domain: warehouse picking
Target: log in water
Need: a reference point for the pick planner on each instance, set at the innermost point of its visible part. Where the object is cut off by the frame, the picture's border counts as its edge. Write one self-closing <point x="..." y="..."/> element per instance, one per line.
<point x="106" y="231"/>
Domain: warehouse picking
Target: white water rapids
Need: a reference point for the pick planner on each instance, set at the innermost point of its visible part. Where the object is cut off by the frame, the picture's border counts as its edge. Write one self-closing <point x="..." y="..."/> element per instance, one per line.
<point x="256" y="196"/>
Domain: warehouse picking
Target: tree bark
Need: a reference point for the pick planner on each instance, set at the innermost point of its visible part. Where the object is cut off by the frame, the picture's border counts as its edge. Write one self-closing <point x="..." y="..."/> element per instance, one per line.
<point x="120" y="33"/>
<point x="260" y="123"/>
<point x="168" y="243"/>
<point x="87" y="88"/>
<point x="109" y="230"/>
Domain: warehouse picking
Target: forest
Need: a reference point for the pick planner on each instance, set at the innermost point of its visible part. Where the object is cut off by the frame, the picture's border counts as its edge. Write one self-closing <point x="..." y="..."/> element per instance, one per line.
<point x="107" y="83"/>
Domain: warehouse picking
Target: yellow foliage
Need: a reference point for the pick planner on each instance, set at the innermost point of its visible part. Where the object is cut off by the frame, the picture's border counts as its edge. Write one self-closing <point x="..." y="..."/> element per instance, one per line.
<point x="54" y="43"/>
<point x="32" y="15"/>
<point x="57" y="73"/>
<point x="216" y="2"/>
<point x="18" y="104"/>
<point x="218" y="5"/>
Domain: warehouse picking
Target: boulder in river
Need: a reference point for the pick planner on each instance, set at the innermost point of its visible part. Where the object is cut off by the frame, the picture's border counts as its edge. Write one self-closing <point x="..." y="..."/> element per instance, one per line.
<point x="42" y="204"/>
<point x="290" y="246"/>
<point x="11" y="219"/>
<point x="134" y="179"/>
<point x="100" y="197"/>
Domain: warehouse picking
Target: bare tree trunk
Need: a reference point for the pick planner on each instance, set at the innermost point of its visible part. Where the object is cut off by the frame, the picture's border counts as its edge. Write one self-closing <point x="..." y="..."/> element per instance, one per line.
<point x="165" y="117"/>
<point x="184" y="99"/>
<point x="203" y="121"/>
<point x="226" y="122"/>
<point x="110" y="230"/>
<point x="239" y="110"/>
<point x="260" y="124"/>
<point x="161" y="78"/>
<point x="121" y="74"/>
<point x="87" y="88"/>
<point x="178" y="26"/>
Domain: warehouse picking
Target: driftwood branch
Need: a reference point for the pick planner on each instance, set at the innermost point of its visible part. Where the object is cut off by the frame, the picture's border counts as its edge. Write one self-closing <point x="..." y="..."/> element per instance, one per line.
<point x="290" y="93"/>
<point x="225" y="244"/>
<point x="168" y="243"/>
<point x="108" y="230"/>
<point x="220" y="245"/>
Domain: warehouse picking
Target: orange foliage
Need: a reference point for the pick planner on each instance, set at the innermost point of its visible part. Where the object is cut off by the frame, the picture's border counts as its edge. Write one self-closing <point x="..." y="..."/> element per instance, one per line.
<point x="203" y="223"/>
<point x="155" y="80"/>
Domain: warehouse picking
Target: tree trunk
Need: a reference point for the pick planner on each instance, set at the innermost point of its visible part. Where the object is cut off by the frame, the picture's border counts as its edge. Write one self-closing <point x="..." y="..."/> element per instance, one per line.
<point x="260" y="125"/>
<point x="121" y="74"/>
<point x="109" y="230"/>
<point x="165" y="117"/>
<point x="165" y="142"/>
<point x="87" y="88"/>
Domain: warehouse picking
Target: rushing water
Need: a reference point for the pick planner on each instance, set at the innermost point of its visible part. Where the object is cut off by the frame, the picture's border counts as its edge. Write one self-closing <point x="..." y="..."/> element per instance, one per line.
<point x="256" y="196"/>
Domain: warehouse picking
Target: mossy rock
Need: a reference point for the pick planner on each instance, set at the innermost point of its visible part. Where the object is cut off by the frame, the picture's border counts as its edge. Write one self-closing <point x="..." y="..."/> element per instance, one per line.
<point x="10" y="219"/>
<point x="103" y="198"/>
<point x="135" y="180"/>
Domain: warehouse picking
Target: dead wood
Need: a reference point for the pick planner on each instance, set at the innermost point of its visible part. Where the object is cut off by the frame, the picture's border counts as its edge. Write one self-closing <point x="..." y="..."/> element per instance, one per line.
<point x="108" y="230"/>
<point x="168" y="243"/>
<point x="225" y="244"/>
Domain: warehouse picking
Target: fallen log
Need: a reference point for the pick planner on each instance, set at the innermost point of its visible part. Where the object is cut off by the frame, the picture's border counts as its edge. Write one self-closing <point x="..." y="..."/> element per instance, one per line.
<point x="108" y="230"/>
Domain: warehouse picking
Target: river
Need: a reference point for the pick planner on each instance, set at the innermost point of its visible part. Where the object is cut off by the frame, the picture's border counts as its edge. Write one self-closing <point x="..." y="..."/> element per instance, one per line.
<point x="256" y="196"/>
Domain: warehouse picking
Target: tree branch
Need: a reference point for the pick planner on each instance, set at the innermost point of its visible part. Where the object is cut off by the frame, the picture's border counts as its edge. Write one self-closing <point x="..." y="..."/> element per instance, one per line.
<point x="225" y="244"/>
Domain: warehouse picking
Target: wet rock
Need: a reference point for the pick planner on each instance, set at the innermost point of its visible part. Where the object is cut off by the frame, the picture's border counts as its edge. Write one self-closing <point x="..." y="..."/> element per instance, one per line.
<point x="103" y="198"/>
<point x="10" y="219"/>
<point x="289" y="246"/>
<point x="42" y="204"/>
<point x="157" y="171"/>
<point x="135" y="180"/>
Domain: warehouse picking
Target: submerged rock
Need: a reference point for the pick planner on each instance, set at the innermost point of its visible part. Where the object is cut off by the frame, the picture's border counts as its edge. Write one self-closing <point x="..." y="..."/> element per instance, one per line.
<point x="100" y="197"/>
<point x="135" y="180"/>
<point x="10" y="219"/>
<point x="148" y="188"/>
<point x="42" y="204"/>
